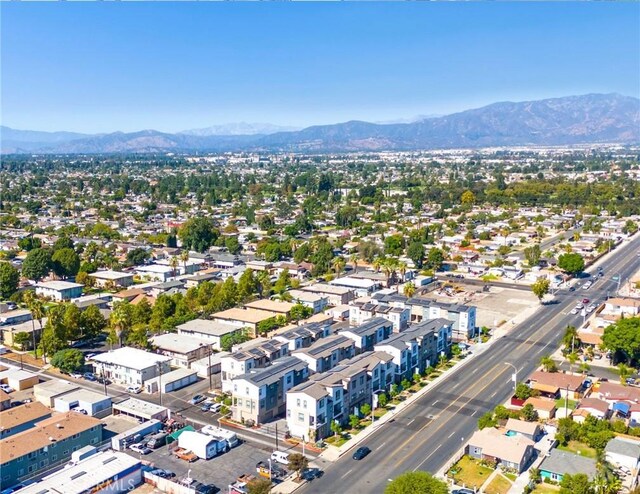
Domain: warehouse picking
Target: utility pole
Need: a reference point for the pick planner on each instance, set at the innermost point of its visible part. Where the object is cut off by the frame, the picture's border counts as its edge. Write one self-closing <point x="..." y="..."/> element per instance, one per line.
<point x="210" y="373"/>
<point x="566" y="402"/>
<point x="104" y="380"/>
<point x="276" y="436"/>
<point x="160" y="381"/>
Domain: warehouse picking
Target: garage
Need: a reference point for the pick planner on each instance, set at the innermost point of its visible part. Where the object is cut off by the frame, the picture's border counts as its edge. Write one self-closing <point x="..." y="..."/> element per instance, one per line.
<point x="171" y="381"/>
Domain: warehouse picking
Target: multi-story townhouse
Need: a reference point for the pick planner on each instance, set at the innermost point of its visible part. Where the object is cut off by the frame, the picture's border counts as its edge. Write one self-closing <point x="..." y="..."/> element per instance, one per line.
<point x="365" y="310"/>
<point x="334" y="395"/>
<point x="327" y="352"/>
<point x="369" y="333"/>
<point x="250" y="357"/>
<point x="304" y="336"/>
<point x="315" y="302"/>
<point x="260" y="395"/>
<point x="418" y="347"/>
<point x="336" y="295"/>
<point x="463" y="317"/>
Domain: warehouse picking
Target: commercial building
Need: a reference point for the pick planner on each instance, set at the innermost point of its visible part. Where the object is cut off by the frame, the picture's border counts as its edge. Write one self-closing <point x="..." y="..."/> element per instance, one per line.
<point x="49" y="442"/>
<point x="59" y="290"/>
<point x="182" y="349"/>
<point x="141" y="410"/>
<point x="260" y="396"/>
<point x="47" y="391"/>
<point x="84" y="400"/>
<point x="107" y="471"/>
<point x="130" y="366"/>
<point x="18" y="379"/>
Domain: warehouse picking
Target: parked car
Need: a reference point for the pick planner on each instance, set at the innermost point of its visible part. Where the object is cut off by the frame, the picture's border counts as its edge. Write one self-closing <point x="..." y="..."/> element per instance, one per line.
<point x="185" y="454"/>
<point x="361" y="453"/>
<point x="76" y="375"/>
<point x="463" y="491"/>
<point x="6" y="388"/>
<point x="161" y="472"/>
<point x="587" y="383"/>
<point x="134" y="390"/>
<point x="140" y="448"/>
<point x="585" y="300"/>
<point x="215" y="407"/>
<point x="197" y="399"/>
<point x="575" y="310"/>
<point x="205" y="407"/>
<point x="89" y="376"/>
<point x="103" y="380"/>
<point x="591" y="308"/>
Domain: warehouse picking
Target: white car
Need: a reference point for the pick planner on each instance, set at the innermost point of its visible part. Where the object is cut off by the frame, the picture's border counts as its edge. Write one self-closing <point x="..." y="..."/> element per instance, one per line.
<point x="134" y="390"/>
<point x="6" y="388"/>
<point x="591" y="308"/>
<point x="140" y="448"/>
<point x="575" y="310"/>
<point x="76" y="375"/>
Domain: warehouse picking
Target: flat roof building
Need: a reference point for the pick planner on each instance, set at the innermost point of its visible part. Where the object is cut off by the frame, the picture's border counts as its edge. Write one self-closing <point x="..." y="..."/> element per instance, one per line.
<point x="130" y="366"/>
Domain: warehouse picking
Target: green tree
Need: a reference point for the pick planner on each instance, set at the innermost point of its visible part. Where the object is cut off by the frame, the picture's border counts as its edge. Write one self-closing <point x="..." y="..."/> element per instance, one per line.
<point x="532" y="255"/>
<point x="394" y="245"/>
<point x="540" y="288"/>
<point x="248" y="285"/>
<point x="21" y="339"/>
<point x="137" y="256"/>
<point x="523" y="391"/>
<point x="29" y="243"/>
<point x="468" y="198"/>
<point x="571" y="263"/>
<point x="336" y="428"/>
<point x="259" y="486"/>
<point x="92" y="322"/>
<point x="283" y="282"/>
<point x="121" y="318"/>
<point x="576" y="484"/>
<point x="9" y="279"/>
<point x="299" y="311"/>
<point x="486" y="420"/>
<point x="416" y="483"/>
<point x="198" y="234"/>
<point x="529" y="413"/>
<point x="382" y="400"/>
<point x="365" y="410"/>
<point x="416" y="253"/>
<point x="624" y="371"/>
<point x="570" y="339"/>
<point x="65" y="262"/>
<point x="37" y="264"/>
<point x="68" y="360"/>
<point x="71" y="322"/>
<point x="141" y="313"/>
<point x="232" y="245"/>
<point x="298" y="463"/>
<point x="409" y="289"/>
<point x="64" y="242"/>
<point x="623" y="339"/>
<point x="435" y="258"/>
<point x="548" y="364"/>
<point x="354" y="421"/>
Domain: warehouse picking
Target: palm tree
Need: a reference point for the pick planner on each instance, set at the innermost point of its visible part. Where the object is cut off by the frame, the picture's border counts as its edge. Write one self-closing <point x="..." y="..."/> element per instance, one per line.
<point x="625" y="371"/>
<point x="377" y="263"/>
<point x="402" y="267"/>
<point x="173" y="262"/>
<point x="409" y="289"/>
<point x="338" y="264"/>
<point x="36" y="307"/>
<point x="387" y="268"/>
<point x="120" y="319"/>
<point x="184" y="257"/>
<point x="354" y="260"/>
<point x="548" y="364"/>
<point x="572" y="358"/>
<point x="584" y="367"/>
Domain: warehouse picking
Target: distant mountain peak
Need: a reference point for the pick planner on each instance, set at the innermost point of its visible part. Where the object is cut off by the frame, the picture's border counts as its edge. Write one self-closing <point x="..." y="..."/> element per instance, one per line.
<point x="239" y="128"/>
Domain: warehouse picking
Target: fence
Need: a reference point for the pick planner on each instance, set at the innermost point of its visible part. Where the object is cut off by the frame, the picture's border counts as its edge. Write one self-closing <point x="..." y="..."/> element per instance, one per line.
<point x="166" y="485"/>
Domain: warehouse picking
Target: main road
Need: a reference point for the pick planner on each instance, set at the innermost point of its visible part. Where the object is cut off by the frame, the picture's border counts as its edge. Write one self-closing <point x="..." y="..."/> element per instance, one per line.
<point x="426" y="434"/>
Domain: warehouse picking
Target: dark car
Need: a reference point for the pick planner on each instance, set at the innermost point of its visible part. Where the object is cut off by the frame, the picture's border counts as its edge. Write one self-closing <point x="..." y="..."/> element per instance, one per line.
<point x="89" y="376"/>
<point x="463" y="491"/>
<point x="361" y="453"/>
<point x="103" y="380"/>
<point x="161" y="472"/>
<point x="312" y="473"/>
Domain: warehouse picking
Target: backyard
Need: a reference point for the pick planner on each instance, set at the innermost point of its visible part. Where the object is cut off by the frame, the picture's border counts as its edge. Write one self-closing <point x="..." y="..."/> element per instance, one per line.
<point x="468" y="472"/>
<point x="579" y="448"/>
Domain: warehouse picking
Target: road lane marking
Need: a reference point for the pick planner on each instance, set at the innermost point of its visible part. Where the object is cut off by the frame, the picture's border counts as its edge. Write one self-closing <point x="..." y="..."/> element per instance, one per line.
<point x="435" y="402"/>
<point x="347" y="473"/>
<point x="451" y="435"/>
<point x="413" y="450"/>
<point x="411" y="421"/>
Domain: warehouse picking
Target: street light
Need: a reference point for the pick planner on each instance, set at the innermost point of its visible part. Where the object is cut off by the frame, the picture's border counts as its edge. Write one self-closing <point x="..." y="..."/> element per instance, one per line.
<point x="514" y="376"/>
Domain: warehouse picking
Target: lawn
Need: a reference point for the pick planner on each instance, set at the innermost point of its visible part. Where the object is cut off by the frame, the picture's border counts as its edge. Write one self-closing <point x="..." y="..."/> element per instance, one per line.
<point x="499" y="485"/>
<point x="561" y="404"/>
<point x="579" y="448"/>
<point x="543" y="488"/>
<point x="470" y="473"/>
<point x="337" y="441"/>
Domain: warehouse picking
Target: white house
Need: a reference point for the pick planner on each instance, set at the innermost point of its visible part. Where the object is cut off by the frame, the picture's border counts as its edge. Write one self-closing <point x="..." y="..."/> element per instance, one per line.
<point x="623" y="452"/>
<point x="210" y="331"/>
<point x="117" y="278"/>
<point x="59" y="290"/>
<point x="130" y="366"/>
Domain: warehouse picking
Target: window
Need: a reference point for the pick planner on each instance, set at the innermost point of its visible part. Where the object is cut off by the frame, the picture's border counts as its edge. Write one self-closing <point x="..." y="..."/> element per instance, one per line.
<point x="65" y="452"/>
<point x="31" y="468"/>
<point x="54" y="457"/>
<point x="301" y="417"/>
<point x="239" y="402"/>
<point x="32" y="454"/>
<point x="304" y="404"/>
<point x="298" y="402"/>
<point x="361" y="380"/>
<point x="246" y="391"/>
<point x="21" y="472"/>
<point x="235" y="388"/>
<point x="289" y="379"/>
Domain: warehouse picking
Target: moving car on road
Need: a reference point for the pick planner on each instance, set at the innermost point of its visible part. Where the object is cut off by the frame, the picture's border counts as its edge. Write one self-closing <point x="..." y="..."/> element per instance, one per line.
<point x="134" y="390"/>
<point x="361" y="453"/>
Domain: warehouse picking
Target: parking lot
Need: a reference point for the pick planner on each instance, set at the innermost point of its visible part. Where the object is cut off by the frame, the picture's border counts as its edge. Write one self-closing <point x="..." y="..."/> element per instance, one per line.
<point x="220" y="471"/>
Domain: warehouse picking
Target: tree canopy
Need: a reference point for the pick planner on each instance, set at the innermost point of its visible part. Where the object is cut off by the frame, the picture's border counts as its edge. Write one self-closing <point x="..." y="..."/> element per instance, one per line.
<point x="416" y="483"/>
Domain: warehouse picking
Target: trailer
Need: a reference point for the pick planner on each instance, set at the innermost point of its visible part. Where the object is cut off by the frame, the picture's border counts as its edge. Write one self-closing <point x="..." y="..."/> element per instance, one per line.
<point x="203" y="445"/>
<point x="223" y="434"/>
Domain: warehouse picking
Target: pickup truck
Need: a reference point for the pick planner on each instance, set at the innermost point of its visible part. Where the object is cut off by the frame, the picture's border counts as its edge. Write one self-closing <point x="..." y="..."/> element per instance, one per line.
<point x="185" y="454"/>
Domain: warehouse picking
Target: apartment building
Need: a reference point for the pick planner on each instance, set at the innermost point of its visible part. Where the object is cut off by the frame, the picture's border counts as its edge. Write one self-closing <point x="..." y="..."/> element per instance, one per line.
<point x="369" y="333"/>
<point x="49" y="442"/>
<point x="130" y="366"/>
<point x="315" y="302"/>
<point x="260" y="395"/>
<point x="334" y="395"/>
<point x="336" y="295"/>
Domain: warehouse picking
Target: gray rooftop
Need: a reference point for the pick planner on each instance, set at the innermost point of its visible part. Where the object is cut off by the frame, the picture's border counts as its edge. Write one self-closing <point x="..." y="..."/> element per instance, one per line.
<point x="370" y="326"/>
<point x="624" y="447"/>
<point x="563" y="462"/>
<point x="325" y="346"/>
<point x="274" y="372"/>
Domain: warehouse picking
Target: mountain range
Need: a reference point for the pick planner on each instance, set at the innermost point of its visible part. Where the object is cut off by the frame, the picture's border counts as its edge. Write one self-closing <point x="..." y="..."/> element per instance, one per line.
<point x="571" y="120"/>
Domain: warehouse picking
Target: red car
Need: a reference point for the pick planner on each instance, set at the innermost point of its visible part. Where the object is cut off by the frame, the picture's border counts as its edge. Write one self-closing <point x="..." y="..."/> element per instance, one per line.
<point x="585" y="300"/>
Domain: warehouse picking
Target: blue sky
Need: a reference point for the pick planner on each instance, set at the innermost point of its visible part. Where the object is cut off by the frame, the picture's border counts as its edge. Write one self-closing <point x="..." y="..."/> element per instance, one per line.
<point x="101" y="67"/>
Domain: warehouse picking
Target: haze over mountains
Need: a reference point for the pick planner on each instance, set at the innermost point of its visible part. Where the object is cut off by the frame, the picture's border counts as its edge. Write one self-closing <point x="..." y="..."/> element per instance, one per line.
<point x="591" y="118"/>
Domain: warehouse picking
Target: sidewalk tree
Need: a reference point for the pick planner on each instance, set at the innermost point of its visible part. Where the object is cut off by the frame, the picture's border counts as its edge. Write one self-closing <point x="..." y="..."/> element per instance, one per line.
<point x="382" y="400"/>
<point x="486" y="420"/>
<point x="571" y="263"/>
<point x="624" y="371"/>
<point x="9" y="279"/>
<point x="259" y="486"/>
<point x="354" y="421"/>
<point x="623" y="339"/>
<point x="416" y="483"/>
<point x="548" y="364"/>
<point x="68" y="360"/>
<point x="365" y="410"/>
<point x="336" y="428"/>
<point x="570" y="339"/>
<point x="540" y="288"/>
<point x="298" y="463"/>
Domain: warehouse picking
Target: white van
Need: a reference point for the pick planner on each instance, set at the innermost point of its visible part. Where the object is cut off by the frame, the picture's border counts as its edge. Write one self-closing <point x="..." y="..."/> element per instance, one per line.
<point x="280" y="457"/>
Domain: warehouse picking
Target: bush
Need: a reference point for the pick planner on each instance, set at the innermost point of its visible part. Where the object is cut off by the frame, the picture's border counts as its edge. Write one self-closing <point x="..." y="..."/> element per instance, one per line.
<point x="69" y="360"/>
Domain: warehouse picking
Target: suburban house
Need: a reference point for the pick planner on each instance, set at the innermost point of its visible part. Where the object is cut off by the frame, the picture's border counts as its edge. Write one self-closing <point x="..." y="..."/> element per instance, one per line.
<point x="256" y="354"/>
<point x="21" y="418"/>
<point x="591" y="406"/>
<point x="559" y="463"/>
<point x="5" y="401"/>
<point x="8" y="332"/>
<point x="210" y="331"/>
<point x="335" y="295"/>
<point x="183" y="350"/>
<point x="155" y="272"/>
<point x="623" y="452"/>
<point x="331" y="396"/>
<point x="115" y="278"/>
<point x="530" y="430"/>
<point x="361" y="287"/>
<point x="196" y="279"/>
<point x="130" y="366"/>
<point x="315" y="302"/>
<point x="369" y="333"/>
<point x="326" y="353"/>
<point x="59" y="290"/>
<point x="545" y="407"/>
<point x="615" y="308"/>
<point x="276" y="308"/>
<point x="613" y="393"/>
<point x="243" y="318"/>
<point x="50" y="441"/>
<point x="15" y="317"/>
<point x="556" y="384"/>
<point x="463" y="317"/>
<point x="493" y="445"/>
<point x="260" y="395"/>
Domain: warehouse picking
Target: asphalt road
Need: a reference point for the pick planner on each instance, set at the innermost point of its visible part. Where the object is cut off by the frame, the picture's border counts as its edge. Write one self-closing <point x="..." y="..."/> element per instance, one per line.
<point x="426" y="434"/>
